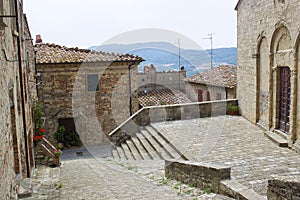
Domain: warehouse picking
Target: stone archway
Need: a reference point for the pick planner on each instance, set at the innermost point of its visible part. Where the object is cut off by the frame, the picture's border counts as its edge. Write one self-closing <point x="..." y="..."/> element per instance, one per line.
<point x="282" y="63"/>
<point x="263" y="77"/>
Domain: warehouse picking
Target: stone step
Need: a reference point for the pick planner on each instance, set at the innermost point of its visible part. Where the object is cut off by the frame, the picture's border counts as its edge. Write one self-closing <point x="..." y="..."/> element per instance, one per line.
<point x="281" y="134"/>
<point x="115" y="154"/>
<point x="121" y="153"/>
<point x="135" y="152"/>
<point x="127" y="152"/>
<point x="168" y="144"/>
<point x="153" y="153"/>
<point x="164" y="154"/>
<point x="164" y="142"/>
<point x="142" y="149"/>
<point x="234" y="189"/>
<point x="281" y="142"/>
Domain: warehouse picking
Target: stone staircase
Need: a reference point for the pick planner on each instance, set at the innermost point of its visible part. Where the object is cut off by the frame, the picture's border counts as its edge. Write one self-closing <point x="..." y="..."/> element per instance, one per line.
<point x="146" y="144"/>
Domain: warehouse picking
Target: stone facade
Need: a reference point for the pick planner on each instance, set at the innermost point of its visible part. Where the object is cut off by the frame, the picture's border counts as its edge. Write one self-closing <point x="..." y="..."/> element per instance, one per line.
<point x="151" y="80"/>
<point x="268" y="44"/>
<point x="215" y="84"/>
<point x="66" y="93"/>
<point x="16" y="102"/>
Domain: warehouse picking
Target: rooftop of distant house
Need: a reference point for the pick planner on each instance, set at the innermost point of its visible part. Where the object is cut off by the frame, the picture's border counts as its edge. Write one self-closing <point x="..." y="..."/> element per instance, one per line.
<point x="221" y="76"/>
<point x="53" y="53"/>
<point x="162" y="97"/>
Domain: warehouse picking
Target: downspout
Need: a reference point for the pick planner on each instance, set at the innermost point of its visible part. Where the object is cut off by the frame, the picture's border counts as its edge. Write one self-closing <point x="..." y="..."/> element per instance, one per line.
<point x="130" y="97"/>
<point x="21" y="88"/>
<point x="35" y="72"/>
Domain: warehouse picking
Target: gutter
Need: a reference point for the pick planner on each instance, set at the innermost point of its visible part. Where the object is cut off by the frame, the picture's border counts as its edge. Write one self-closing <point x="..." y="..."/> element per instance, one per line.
<point x="21" y="88"/>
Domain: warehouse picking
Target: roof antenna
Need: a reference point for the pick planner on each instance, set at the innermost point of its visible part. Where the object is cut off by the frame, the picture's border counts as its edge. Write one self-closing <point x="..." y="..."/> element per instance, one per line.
<point x="211" y="48"/>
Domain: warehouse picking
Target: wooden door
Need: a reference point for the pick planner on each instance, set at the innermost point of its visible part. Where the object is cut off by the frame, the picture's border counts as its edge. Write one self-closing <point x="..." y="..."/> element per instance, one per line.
<point x="285" y="99"/>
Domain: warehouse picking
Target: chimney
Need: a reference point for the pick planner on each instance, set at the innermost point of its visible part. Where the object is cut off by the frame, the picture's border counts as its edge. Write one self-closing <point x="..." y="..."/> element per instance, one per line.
<point x="38" y="39"/>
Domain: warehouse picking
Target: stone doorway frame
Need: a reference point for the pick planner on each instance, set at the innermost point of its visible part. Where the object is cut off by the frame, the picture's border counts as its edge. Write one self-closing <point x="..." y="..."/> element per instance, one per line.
<point x="282" y="54"/>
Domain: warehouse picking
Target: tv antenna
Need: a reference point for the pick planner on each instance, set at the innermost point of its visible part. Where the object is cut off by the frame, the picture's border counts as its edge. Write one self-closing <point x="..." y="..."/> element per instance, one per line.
<point x="211" y="48"/>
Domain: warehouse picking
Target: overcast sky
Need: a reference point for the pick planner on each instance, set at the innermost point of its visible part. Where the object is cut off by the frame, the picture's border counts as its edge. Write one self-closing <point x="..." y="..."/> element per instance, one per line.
<point x="85" y="23"/>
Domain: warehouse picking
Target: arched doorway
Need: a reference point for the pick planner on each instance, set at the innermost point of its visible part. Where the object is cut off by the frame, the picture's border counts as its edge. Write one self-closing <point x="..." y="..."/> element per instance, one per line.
<point x="282" y="64"/>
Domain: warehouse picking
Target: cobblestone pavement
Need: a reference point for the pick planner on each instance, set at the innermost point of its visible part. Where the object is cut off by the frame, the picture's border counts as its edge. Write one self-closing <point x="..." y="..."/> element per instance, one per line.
<point x="87" y="177"/>
<point x="234" y="142"/>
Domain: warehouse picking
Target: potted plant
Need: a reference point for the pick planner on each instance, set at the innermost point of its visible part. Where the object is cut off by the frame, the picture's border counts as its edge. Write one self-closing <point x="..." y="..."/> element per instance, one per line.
<point x="233" y="109"/>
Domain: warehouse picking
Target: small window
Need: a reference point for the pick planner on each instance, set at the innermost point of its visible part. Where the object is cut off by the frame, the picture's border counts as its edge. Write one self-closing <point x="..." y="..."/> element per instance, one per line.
<point x="219" y="96"/>
<point x="208" y="96"/>
<point x="200" y="95"/>
<point x="92" y="82"/>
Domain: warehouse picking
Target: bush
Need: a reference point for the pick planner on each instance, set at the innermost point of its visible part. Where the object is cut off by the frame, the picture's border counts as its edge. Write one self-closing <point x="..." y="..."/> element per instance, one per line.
<point x="67" y="139"/>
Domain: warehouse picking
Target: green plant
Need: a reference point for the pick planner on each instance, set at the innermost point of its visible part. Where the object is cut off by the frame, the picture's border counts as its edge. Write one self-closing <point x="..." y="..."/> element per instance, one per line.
<point x="150" y="103"/>
<point x="38" y="115"/>
<point x="207" y="189"/>
<point x="163" y="103"/>
<point x="233" y="108"/>
<point x="58" y="186"/>
<point x="67" y="139"/>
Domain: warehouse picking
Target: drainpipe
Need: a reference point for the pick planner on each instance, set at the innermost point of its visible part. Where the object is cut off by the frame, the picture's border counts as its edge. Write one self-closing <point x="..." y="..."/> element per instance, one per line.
<point x="21" y="87"/>
<point x="35" y="72"/>
<point x="130" y="97"/>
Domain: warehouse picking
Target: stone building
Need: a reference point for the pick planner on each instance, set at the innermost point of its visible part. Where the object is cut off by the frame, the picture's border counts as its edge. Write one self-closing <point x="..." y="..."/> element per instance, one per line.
<point x="218" y="83"/>
<point x="88" y="92"/>
<point x="150" y="79"/>
<point x="268" y="65"/>
<point x="17" y="90"/>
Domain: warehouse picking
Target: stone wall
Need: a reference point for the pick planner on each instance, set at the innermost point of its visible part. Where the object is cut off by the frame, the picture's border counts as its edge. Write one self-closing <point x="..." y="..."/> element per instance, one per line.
<point x="14" y="162"/>
<point x="225" y="93"/>
<point x="268" y="39"/>
<point x="284" y="188"/>
<point x="197" y="174"/>
<point x="64" y="94"/>
<point x="167" y="113"/>
<point x="154" y="80"/>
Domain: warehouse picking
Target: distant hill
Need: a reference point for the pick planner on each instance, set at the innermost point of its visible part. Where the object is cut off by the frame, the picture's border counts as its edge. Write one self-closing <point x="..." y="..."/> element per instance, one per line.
<point x="164" y="56"/>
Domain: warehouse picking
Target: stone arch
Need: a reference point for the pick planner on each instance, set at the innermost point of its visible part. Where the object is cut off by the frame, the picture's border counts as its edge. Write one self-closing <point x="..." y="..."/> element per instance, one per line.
<point x="282" y="57"/>
<point x="263" y="77"/>
<point x="296" y="110"/>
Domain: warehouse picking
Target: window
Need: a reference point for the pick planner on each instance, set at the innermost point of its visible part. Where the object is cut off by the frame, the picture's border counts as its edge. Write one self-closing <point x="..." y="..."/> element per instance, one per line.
<point x="208" y="96"/>
<point x="219" y="96"/>
<point x="92" y="82"/>
<point x="200" y="95"/>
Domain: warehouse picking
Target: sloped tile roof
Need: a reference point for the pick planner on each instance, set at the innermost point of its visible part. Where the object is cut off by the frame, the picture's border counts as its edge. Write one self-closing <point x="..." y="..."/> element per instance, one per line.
<point x="163" y="97"/>
<point x="222" y="76"/>
<point x="52" y="53"/>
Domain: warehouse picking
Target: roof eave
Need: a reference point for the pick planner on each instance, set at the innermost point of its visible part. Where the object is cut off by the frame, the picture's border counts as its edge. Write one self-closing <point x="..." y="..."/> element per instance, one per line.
<point x="237" y="5"/>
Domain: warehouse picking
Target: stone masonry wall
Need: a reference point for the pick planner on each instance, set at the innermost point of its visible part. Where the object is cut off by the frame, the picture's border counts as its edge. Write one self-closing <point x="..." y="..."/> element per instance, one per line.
<point x="160" y="80"/>
<point x="64" y="94"/>
<point x="192" y="91"/>
<point x="12" y="143"/>
<point x="197" y="174"/>
<point x="284" y="188"/>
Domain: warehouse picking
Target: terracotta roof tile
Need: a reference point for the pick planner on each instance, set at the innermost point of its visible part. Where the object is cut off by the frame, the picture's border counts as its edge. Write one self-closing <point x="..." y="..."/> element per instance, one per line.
<point x="222" y="76"/>
<point x="163" y="97"/>
<point x="52" y="53"/>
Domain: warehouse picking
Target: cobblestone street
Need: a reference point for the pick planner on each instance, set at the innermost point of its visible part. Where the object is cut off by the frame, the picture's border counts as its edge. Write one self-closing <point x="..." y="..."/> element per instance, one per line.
<point x="103" y="178"/>
<point x="226" y="140"/>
